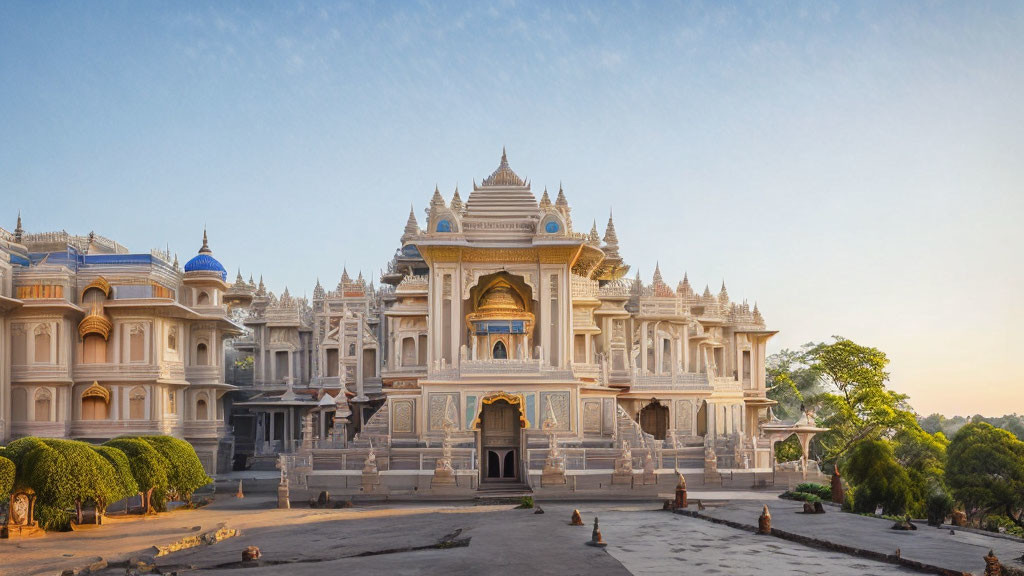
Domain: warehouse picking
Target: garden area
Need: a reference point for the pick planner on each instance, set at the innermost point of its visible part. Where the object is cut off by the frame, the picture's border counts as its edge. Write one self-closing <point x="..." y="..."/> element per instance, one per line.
<point x="55" y="484"/>
<point x="889" y="464"/>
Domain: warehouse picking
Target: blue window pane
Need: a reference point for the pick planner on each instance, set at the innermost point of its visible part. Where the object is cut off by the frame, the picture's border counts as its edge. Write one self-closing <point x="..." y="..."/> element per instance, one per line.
<point x="444" y="226"/>
<point x="551" y="227"/>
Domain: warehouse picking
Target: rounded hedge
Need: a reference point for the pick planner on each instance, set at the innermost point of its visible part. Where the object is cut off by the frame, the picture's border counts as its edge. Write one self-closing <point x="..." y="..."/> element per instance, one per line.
<point x="148" y="469"/>
<point x="124" y="481"/>
<point x="7" y="471"/>
<point x="185" y="474"/>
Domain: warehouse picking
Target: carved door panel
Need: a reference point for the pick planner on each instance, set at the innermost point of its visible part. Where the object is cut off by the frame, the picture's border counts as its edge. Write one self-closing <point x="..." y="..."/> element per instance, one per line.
<point x="500" y="442"/>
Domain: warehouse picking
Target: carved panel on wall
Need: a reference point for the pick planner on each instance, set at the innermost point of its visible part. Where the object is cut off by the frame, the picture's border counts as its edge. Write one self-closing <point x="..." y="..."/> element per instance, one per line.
<point x="684" y="416"/>
<point x="437" y="403"/>
<point x="559" y="406"/>
<point x="403" y="421"/>
<point x="609" y="416"/>
<point x="592" y="417"/>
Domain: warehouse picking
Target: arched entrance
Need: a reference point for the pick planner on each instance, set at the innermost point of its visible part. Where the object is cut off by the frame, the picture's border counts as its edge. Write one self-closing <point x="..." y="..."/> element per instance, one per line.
<point x="499" y="442"/>
<point x="654" y="419"/>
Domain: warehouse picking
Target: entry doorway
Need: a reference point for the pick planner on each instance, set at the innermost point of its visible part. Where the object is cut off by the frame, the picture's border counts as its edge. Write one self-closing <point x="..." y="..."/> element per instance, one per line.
<point x="654" y="420"/>
<point x="499" y="442"/>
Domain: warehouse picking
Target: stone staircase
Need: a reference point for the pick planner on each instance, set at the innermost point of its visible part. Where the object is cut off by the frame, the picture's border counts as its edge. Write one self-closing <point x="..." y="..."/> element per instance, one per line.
<point x="375" y="429"/>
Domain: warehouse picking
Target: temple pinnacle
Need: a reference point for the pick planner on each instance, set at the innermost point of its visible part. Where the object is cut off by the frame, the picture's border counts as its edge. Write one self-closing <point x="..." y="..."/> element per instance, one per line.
<point x="206" y="245"/>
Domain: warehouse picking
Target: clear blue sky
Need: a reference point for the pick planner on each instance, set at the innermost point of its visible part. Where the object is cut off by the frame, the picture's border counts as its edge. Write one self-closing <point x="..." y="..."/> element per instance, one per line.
<point x="856" y="168"/>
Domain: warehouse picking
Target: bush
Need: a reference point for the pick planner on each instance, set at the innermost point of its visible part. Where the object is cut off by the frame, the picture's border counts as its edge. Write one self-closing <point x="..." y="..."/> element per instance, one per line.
<point x="124" y="482"/>
<point x="800" y="496"/>
<point x="820" y="490"/>
<point x="7" y="470"/>
<point x="879" y="479"/>
<point x="148" y="469"/>
<point x="525" y="502"/>
<point x="938" y="506"/>
<point x="63" y="474"/>
<point x="185" y="474"/>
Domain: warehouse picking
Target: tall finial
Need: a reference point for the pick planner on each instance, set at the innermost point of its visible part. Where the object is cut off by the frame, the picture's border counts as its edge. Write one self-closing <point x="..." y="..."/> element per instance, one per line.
<point x="206" y="245"/>
<point x="18" y="232"/>
<point x="723" y="295"/>
<point x="456" y="204"/>
<point x="545" y="200"/>
<point x="610" y="237"/>
<point x="504" y="158"/>
<point x="594" y="238"/>
<point x="412" y="227"/>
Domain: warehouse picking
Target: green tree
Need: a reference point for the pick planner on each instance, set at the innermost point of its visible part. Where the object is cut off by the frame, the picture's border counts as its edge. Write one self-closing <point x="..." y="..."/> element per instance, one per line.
<point x="878" y="478"/>
<point x="857" y="405"/>
<point x="124" y="482"/>
<point x="985" y="470"/>
<point x="923" y="456"/>
<point x="185" y="473"/>
<point x="791" y="383"/>
<point x="148" y="468"/>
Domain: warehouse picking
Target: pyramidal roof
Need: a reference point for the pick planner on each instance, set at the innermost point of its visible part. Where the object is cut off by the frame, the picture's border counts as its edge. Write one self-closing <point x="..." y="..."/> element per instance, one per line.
<point x="503" y="194"/>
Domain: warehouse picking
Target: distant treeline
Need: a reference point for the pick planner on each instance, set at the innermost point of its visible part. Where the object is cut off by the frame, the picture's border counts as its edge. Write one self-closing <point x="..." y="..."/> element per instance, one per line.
<point x="1013" y="423"/>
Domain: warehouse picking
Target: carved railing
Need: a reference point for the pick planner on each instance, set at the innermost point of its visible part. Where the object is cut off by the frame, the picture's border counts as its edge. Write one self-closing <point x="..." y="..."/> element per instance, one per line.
<point x="677" y="381"/>
<point x="498" y="368"/>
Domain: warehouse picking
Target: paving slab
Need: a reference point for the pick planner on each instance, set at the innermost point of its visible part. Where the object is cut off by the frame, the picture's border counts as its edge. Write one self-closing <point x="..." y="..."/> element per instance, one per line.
<point x="962" y="551"/>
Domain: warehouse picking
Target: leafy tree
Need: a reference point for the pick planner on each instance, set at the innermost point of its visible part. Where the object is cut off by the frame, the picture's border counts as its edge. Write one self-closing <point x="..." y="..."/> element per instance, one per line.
<point x="148" y="468"/>
<point x="923" y="456"/>
<point x="858" y="406"/>
<point x="7" y="471"/>
<point x="985" y="471"/>
<point x="878" y="478"/>
<point x="791" y="382"/>
<point x="185" y="473"/>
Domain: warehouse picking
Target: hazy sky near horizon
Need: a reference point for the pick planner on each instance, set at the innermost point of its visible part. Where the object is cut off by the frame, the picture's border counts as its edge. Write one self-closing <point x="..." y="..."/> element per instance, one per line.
<point x="855" y="168"/>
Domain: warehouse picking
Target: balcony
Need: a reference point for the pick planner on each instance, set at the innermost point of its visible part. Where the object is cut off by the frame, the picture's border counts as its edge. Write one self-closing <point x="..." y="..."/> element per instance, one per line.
<point x="678" y="381"/>
<point x="127" y="372"/>
<point x="475" y="368"/>
<point x="40" y="373"/>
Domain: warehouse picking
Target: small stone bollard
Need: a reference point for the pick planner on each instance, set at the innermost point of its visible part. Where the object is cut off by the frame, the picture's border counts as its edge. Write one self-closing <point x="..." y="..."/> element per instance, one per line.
<point x="539" y="510"/>
<point x="577" y="520"/>
<point x="239" y="494"/>
<point x="681" y="500"/>
<point x="595" y="536"/>
<point x="764" y="522"/>
<point x="251" y="553"/>
<point x="819" y="508"/>
<point x="992" y="565"/>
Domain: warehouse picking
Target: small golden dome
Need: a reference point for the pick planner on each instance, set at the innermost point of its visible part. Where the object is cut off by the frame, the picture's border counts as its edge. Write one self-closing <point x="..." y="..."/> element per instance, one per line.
<point x="95" y="323"/>
<point x="500" y="298"/>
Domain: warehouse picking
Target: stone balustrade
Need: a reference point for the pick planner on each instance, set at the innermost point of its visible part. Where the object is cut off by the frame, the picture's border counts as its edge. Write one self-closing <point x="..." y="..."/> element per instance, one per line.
<point x="678" y="381"/>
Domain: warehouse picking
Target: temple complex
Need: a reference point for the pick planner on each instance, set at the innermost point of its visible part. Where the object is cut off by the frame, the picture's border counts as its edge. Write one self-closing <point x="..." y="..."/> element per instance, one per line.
<point x="501" y="347"/>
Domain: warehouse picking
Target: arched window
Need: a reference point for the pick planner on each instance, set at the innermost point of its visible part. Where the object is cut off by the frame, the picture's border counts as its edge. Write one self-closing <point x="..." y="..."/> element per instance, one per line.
<point x="42" y="344"/>
<point x="172" y="339"/>
<point x="499" y="352"/>
<point x="95" y="400"/>
<point x="19" y="412"/>
<point x="351" y="350"/>
<point x="552" y="227"/>
<point x="42" y="405"/>
<point x="202" y="356"/>
<point x="408" y="352"/>
<point x="94" y="349"/>
<point x="201" y="411"/>
<point x="444" y="226"/>
<point x="137" y="343"/>
<point x="137" y="403"/>
<point x="203" y="299"/>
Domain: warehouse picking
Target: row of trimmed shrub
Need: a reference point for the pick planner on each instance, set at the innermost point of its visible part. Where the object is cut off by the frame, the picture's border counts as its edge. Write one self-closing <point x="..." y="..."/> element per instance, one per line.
<point x="65" y="474"/>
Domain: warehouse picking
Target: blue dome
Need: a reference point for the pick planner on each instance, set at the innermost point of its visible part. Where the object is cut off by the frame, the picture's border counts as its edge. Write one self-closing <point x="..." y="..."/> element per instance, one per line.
<point x="206" y="263"/>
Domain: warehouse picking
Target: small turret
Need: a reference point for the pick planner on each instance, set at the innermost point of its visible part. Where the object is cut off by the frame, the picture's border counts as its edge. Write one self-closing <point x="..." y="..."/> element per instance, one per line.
<point x="723" y="295"/>
<point x="545" y="200"/>
<point x="594" y="239"/>
<point x="318" y="290"/>
<point x="611" y="239"/>
<point x="661" y="289"/>
<point x="707" y="292"/>
<point x="261" y="290"/>
<point x="18" y="231"/>
<point x="757" y="315"/>
<point x="563" y="207"/>
<point x="412" y="227"/>
<point x="456" y="204"/>
<point x="684" y="289"/>
<point x="436" y="201"/>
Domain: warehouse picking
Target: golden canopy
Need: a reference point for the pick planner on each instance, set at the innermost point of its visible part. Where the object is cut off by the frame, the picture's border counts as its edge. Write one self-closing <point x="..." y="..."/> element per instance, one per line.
<point x="501" y="302"/>
<point x="95" y="323"/>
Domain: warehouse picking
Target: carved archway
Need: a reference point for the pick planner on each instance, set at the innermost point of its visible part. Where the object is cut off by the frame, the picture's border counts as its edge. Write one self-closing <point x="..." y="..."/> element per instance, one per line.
<point x="516" y="400"/>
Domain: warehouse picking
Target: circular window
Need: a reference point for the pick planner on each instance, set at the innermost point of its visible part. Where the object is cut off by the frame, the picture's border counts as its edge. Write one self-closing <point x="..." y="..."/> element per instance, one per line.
<point x="444" y="226"/>
<point x="551" y="227"/>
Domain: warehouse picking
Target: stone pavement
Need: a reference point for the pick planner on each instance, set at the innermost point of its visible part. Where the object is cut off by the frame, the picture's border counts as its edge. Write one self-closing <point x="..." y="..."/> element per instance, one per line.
<point x="411" y="539"/>
<point x="962" y="551"/>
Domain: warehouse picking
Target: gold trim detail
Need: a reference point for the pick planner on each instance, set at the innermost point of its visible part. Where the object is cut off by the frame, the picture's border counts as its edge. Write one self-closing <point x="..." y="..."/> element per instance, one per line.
<point x="95" y="323"/>
<point x="513" y="399"/>
<point x="101" y="283"/>
<point x="97" y="391"/>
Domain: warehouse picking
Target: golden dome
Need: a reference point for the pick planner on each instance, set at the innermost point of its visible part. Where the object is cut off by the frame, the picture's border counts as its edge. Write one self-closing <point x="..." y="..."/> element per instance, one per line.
<point x="500" y="298"/>
<point x="95" y="323"/>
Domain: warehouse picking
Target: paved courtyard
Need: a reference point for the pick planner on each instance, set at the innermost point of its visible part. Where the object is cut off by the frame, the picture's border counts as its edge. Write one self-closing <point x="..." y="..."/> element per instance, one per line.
<point x="425" y="539"/>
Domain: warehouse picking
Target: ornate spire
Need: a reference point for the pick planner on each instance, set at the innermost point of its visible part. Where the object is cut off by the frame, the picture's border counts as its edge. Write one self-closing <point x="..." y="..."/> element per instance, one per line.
<point x="359" y="278"/>
<point x="318" y="290"/>
<point x="661" y="289"/>
<point x="684" y="287"/>
<point x="503" y="175"/>
<point x="345" y="279"/>
<point x="251" y="283"/>
<point x="561" y="202"/>
<point x="206" y="245"/>
<point x="412" y="227"/>
<point x="239" y="281"/>
<point x="18" y="231"/>
<point x="610" y="237"/>
<point x="707" y="292"/>
<point x="594" y="238"/>
<point x="545" y="200"/>
<point x="723" y="295"/>
<point x="436" y="199"/>
<point x="261" y="290"/>
<point x="456" y="204"/>
<point x="175" y="262"/>
<point x="757" y="315"/>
